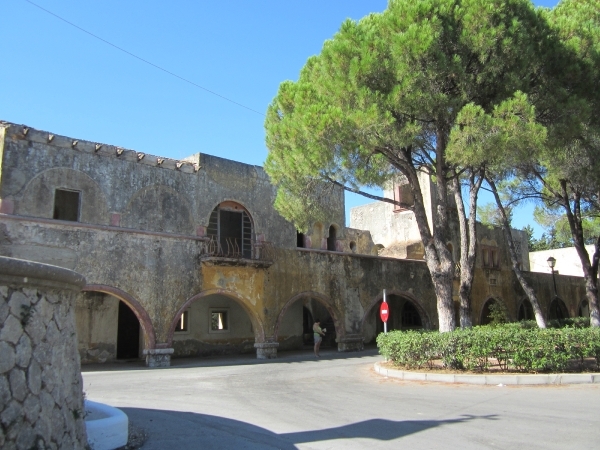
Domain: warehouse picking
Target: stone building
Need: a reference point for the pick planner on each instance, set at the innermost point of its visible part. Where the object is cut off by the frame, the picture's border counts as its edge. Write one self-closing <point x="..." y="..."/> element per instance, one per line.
<point x="189" y="257"/>
<point x="395" y="234"/>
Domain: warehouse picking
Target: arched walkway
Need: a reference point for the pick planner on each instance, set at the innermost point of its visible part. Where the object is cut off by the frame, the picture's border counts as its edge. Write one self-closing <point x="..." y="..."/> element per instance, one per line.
<point x="415" y="307"/>
<point x="134" y="305"/>
<point x="525" y="311"/>
<point x="257" y="325"/>
<point x="323" y="300"/>
<point x="558" y="310"/>
<point x="489" y="313"/>
<point x="406" y="313"/>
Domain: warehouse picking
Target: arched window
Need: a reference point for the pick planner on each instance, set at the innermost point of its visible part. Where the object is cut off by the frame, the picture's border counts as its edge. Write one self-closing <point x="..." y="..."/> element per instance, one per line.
<point x="231" y="227"/>
<point x="331" y="240"/>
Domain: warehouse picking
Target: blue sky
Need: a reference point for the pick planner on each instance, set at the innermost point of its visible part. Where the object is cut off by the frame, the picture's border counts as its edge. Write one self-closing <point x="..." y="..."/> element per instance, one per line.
<point x="57" y="78"/>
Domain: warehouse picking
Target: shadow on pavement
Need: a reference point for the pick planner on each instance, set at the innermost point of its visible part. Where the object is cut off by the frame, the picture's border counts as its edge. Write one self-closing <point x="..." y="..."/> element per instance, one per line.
<point x="232" y="360"/>
<point x="182" y="430"/>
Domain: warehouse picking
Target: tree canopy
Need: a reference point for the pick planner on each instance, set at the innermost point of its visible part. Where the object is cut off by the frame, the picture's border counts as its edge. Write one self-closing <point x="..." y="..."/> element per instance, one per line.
<point x="399" y="93"/>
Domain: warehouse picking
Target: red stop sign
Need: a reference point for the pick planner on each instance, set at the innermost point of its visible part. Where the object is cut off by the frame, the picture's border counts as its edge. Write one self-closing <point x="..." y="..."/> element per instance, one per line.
<point x="384" y="311"/>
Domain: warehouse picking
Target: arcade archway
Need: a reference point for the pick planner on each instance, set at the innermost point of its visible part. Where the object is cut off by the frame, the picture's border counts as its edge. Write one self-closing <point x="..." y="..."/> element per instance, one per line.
<point x="405" y="313"/>
<point x="293" y="328"/>
<point x="111" y="324"/>
<point x="215" y="322"/>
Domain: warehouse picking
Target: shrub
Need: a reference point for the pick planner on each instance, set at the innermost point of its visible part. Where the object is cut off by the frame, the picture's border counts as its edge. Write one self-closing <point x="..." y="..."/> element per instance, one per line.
<point x="515" y="346"/>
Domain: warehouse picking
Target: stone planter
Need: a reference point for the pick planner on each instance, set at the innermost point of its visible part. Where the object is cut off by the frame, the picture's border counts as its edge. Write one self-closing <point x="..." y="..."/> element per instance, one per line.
<point x="41" y="400"/>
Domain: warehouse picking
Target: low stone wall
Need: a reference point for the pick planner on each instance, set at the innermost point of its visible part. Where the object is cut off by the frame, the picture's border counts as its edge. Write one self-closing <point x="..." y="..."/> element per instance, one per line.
<point x="41" y="399"/>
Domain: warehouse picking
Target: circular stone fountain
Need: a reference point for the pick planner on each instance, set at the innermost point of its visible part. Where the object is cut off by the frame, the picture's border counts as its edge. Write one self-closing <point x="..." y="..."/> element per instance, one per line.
<point x="107" y="427"/>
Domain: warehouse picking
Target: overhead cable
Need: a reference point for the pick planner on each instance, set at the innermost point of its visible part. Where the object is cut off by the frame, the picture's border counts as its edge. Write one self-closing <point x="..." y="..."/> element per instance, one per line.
<point x="142" y="59"/>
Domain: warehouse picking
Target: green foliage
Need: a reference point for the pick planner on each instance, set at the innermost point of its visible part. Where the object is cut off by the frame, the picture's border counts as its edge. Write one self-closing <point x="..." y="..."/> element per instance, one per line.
<point x="557" y="232"/>
<point x="518" y="347"/>
<point x="498" y="314"/>
<point x="380" y="94"/>
<point x="489" y="215"/>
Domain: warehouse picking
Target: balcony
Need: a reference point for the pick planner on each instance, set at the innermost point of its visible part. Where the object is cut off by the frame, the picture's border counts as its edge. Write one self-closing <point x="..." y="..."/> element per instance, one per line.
<point x="230" y="253"/>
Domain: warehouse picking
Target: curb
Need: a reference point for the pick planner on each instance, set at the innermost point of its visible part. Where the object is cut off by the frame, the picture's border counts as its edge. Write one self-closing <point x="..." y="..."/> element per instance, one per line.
<point x="495" y="380"/>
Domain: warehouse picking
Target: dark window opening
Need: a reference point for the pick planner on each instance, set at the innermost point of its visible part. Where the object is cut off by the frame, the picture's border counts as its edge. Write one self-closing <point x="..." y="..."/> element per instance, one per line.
<point x="299" y="239"/>
<point x="233" y="231"/>
<point x="490" y="257"/>
<point x="182" y="323"/>
<point x="128" y="333"/>
<point x="331" y="240"/>
<point x="66" y="205"/>
<point x="219" y="320"/>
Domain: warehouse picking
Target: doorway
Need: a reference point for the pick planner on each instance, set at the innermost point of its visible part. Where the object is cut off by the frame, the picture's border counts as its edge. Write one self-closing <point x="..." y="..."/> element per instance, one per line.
<point x="128" y="333"/>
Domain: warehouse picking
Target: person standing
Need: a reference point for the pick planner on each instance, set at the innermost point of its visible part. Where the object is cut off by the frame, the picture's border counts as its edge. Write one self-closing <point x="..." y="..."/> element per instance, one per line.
<point x="319" y="333"/>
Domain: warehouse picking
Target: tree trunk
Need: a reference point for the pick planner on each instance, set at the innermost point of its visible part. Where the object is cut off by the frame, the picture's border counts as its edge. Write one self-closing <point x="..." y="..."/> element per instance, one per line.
<point x="468" y="245"/>
<point x="437" y="255"/>
<point x="537" y="310"/>
<point x="590" y="271"/>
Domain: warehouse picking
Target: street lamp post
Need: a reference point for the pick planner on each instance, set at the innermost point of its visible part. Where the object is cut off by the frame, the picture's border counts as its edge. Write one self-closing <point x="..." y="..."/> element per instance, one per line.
<point x="552" y="262"/>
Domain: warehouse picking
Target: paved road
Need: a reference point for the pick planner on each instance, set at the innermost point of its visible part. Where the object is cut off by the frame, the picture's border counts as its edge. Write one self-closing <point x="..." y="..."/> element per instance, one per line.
<point x="338" y="402"/>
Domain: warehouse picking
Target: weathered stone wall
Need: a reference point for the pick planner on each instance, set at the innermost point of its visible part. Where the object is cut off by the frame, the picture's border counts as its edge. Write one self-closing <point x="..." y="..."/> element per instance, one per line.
<point x="141" y="239"/>
<point x="41" y="401"/>
<point x="132" y="190"/>
<point x="96" y="318"/>
<point x="199" y="339"/>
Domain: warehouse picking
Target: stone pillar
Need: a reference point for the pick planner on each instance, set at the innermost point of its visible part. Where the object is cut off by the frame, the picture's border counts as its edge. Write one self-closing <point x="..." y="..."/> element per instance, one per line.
<point x="41" y="398"/>
<point x="158" y="357"/>
<point x="266" y="350"/>
<point x="350" y="343"/>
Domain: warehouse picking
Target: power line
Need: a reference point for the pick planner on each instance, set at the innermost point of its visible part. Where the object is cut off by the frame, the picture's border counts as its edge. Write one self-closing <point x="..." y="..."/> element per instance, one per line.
<point x="142" y="59"/>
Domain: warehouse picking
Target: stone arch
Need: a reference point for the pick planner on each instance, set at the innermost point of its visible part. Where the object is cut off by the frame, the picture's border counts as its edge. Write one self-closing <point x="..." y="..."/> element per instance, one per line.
<point x="242" y="205"/>
<point x="259" y="329"/>
<point x="525" y="310"/>
<point x="425" y="320"/>
<point x="323" y="299"/>
<point x="159" y="208"/>
<point x="232" y="230"/>
<point x="485" y="310"/>
<point x="558" y="309"/>
<point x="333" y="234"/>
<point x="584" y="308"/>
<point x="134" y="305"/>
<point x="38" y="195"/>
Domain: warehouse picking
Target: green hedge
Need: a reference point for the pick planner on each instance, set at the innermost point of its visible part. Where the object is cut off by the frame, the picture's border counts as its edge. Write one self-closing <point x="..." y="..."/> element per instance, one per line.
<point x="511" y="347"/>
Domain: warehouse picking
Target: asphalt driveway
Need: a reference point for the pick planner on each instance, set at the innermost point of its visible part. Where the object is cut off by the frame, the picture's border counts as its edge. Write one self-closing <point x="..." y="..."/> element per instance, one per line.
<point x="337" y="401"/>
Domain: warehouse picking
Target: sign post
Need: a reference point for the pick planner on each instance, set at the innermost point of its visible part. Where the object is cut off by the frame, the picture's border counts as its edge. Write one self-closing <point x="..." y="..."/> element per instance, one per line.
<point x="384" y="312"/>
